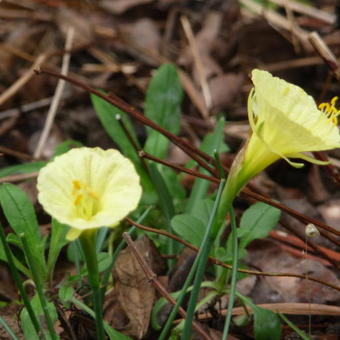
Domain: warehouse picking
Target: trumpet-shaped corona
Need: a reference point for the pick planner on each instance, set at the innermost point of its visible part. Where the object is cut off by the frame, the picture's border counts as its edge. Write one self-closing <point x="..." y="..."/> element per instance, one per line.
<point x="88" y="188"/>
<point x="285" y="123"/>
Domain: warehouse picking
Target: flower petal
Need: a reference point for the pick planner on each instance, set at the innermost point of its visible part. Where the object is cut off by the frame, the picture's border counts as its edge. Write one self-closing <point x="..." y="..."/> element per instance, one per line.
<point x="89" y="188"/>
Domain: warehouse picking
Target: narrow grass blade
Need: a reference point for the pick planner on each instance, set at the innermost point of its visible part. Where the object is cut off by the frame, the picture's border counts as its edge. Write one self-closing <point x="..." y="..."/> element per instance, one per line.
<point x="233" y="274"/>
<point x="8" y="329"/>
<point x="18" y="281"/>
<point x="203" y="255"/>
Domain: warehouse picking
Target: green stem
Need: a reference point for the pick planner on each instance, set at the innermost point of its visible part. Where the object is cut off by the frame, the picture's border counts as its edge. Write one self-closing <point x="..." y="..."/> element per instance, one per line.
<point x="233" y="274"/>
<point x="8" y="329"/>
<point x="88" y="243"/>
<point x="18" y="281"/>
<point x="179" y="301"/>
<point x="39" y="286"/>
<point x="202" y="259"/>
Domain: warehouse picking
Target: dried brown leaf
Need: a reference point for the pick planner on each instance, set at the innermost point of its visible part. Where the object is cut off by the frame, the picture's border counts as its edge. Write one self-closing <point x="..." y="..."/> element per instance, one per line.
<point x="135" y="293"/>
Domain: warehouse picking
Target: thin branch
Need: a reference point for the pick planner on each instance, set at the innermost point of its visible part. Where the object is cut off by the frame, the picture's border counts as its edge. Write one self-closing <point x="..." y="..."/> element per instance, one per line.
<point x="198" y="62"/>
<point x="325" y="53"/>
<point x="194" y="173"/>
<point x="185" y="146"/>
<point x="57" y="95"/>
<point x="17" y="85"/>
<point x="220" y="263"/>
<point x="18" y="178"/>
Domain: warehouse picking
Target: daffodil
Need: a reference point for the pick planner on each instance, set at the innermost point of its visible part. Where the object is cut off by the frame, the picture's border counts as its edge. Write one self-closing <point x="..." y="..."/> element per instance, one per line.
<point x="89" y="188"/>
<point x="285" y="123"/>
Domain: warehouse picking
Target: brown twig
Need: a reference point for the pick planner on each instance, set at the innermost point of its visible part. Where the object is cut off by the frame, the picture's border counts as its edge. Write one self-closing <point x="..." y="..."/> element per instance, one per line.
<point x="57" y="96"/>
<point x="17" y="85"/>
<point x="220" y="263"/>
<point x="284" y="308"/>
<point x="18" y="178"/>
<point x="186" y="147"/>
<point x="152" y="277"/>
<point x="17" y="154"/>
<point x="325" y="53"/>
<point x="144" y="154"/>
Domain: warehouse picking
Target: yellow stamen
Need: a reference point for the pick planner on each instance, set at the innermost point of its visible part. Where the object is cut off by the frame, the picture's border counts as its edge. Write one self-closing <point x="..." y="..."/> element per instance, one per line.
<point x="85" y="200"/>
<point x="330" y="110"/>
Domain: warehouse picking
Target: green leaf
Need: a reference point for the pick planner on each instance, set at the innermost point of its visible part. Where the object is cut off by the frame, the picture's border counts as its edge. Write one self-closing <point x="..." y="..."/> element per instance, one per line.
<point x="107" y="115"/>
<point x="104" y="261"/>
<point x="65" y="293"/>
<point x="171" y="178"/>
<point x="211" y="142"/>
<point x="162" y="191"/>
<point x="163" y="106"/>
<point x="267" y="324"/>
<point x="189" y="228"/>
<point x="58" y="240"/>
<point x="26" y="323"/>
<point x="256" y="222"/>
<point x="192" y="227"/>
<point x="20" y="214"/>
<point x="25" y="168"/>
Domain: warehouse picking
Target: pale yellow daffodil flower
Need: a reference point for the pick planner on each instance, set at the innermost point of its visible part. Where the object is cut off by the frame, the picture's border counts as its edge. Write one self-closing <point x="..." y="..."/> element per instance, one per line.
<point x="285" y="123"/>
<point x="89" y="188"/>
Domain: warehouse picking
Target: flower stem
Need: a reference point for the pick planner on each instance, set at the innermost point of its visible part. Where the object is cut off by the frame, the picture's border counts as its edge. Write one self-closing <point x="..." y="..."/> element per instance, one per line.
<point x="233" y="274"/>
<point x="202" y="259"/>
<point x="88" y="243"/>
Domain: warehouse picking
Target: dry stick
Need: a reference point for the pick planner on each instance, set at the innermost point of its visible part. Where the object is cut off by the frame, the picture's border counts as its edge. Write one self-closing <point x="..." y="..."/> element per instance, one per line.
<point x="15" y="153"/>
<point x="151" y="276"/>
<point x="290" y="211"/>
<point x="143" y="154"/>
<point x="316" y="248"/>
<point x="131" y="139"/>
<point x="186" y="147"/>
<point x="57" y="95"/>
<point x="132" y="111"/>
<point x="294" y="308"/>
<point x="220" y="263"/>
<point x="25" y="108"/>
<point x="198" y="62"/>
<point x="292" y="63"/>
<point x="17" y="85"/>
<point x="325" y="53"/>
<point x="276" y="20"/>
<point x="308" y="10"/>
<point x="18" y="178"/>
<point x="293" y="24"/>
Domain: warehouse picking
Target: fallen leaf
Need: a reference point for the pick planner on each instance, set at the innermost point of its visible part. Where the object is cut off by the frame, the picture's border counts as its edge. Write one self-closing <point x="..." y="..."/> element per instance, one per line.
<point x="134" y="292"/>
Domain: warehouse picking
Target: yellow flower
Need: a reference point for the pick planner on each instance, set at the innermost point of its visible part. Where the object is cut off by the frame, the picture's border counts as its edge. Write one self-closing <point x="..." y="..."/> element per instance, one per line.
<point x="89" y="188"/>
<point x="285" y="123"/>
